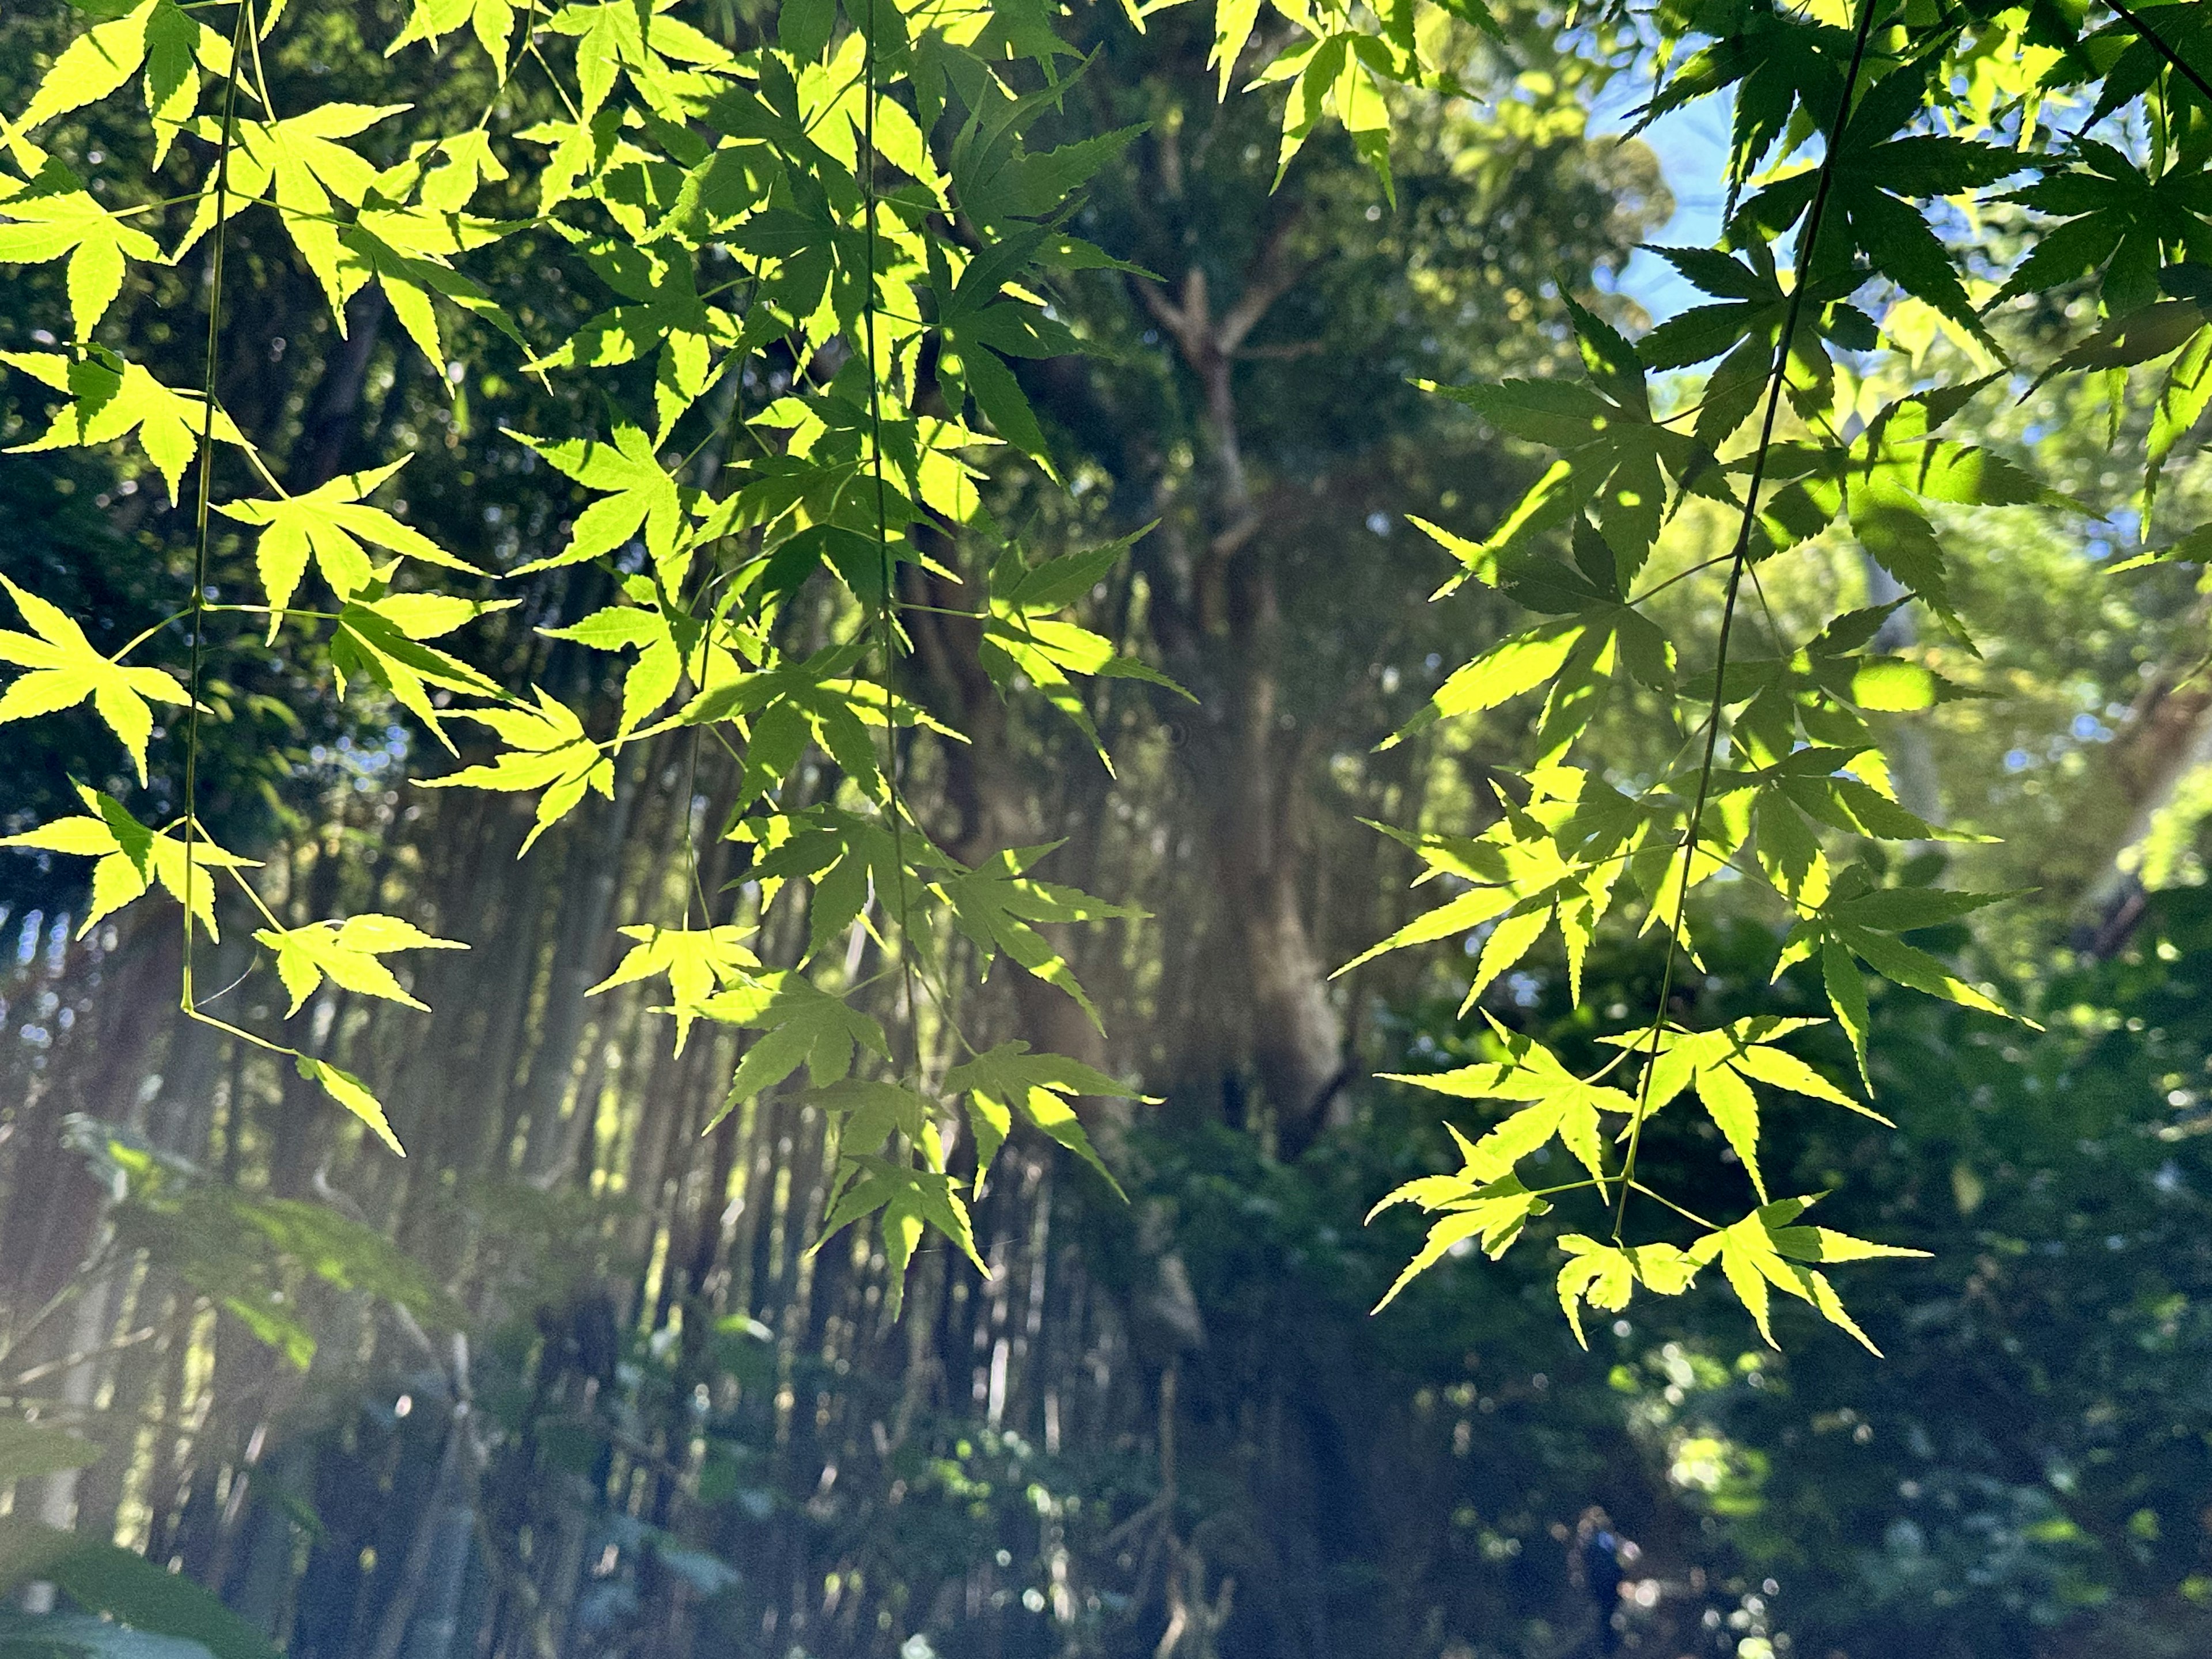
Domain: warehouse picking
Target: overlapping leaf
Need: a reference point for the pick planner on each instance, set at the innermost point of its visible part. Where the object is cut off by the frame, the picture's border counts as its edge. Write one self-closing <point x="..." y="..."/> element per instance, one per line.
<point x="54" y="216"/>
<point x="801" y="1025"/>
<point x="999" y="907"/>
<point x="1021" y="640"/>
<point x="348" y="953"/>
<point x="1041" y="1087"/>
<point x="1721" y="1065"/>
<point x="698" y="963"/>
<point x="112" y="399"/>
<point x="330" y="523"/>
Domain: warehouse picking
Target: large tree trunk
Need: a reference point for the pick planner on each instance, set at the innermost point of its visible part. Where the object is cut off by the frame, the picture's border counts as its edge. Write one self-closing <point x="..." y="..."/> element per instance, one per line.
<point x="2168" y="742"/>
<point x="1218" y="619"/>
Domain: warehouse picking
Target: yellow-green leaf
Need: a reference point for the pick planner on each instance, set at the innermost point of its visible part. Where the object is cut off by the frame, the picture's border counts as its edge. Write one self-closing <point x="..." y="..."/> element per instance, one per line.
<point x="65" y="671"/>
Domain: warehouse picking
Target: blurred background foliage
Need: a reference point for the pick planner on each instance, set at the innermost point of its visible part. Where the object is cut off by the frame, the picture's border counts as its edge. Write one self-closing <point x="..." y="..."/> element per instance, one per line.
<point x="565" y="1383"/>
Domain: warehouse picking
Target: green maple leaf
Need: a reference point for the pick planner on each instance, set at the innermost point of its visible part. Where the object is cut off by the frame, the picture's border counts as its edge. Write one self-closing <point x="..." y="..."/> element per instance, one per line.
<point x="548" y="749"/>
<point x="995" y="176"/>
<point x="330" y="524"/>
<point x="1233" y="23"/>
<point x="407" y="251"/>
<point x="1608" y="635"/>
<point x="653" y="678"/>
<point x="132" y="858"/>
<point x="54" y="215"/>
<point x="983" y="329"/>
<point x="1877" y="171"/>
<point x="1858" y="922"/>
<point x="65" y="671"/>
<point x="795" y="252"/>
<point x="1745" y="324"/>
<point x="380" y="640"/>
<point x="666" y="313"/>
<point x="301" y="166"/>
<point x="636" y="492"/>
<point x="1782" y="60"/>
<point x="348" y="953"/>
<point x="1880" y="480"/>
<point x="1489" y="1211"/>
<point x="2142" y="336"/>
<point x="1020" y="641"/>
<point x="157" y="35"/>
<point x="1043" y="1086"/>
<point x="2134" y="66"/>
<point x="431" y="20"/>
<point x="912" y="1200"/>
<point x="802" y="1024"/>
<point x="350" y="1092"/>
<point x="996" y="905"/>
<point x="1615" y="461"/>
<point x="2179" y="329"/>
<point x="1602" y="1275"/>
<point x="1556" y="859"/>
<point x="2120" y="220"/>
<point x="622" y="36"/>
<point x="870" y="1110"/>
<point x="1606" y="1275"/>
<point x="853" y="860"/>
<point x="1340" y="73"/>
<point x="1809" y="706"/>
<point x="1561" y="1104"/>
<point x="1722" y="1065"/>
<point x="112" y="399"/>
<point x="2182" y="402"/>
<point x="1764" y="1252"/>
<point x="430" y="615"/>
<point x="698" y="963"/>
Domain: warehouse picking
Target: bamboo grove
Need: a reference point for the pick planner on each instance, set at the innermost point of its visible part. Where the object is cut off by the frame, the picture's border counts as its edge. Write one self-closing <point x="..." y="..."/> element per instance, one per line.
<point x="850" y="212"/>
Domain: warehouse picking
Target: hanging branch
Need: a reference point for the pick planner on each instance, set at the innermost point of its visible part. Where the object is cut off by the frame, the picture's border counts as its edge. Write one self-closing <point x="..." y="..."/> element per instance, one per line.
<point x="1808" y="237"/>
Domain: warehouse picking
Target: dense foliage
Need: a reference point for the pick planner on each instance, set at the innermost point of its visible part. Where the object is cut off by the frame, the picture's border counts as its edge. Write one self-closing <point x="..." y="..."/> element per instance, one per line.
<point x="877" y="421"/>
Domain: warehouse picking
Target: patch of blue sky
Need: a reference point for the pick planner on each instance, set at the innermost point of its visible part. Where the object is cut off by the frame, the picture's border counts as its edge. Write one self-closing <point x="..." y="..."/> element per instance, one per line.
<point x="1692" y="144"/>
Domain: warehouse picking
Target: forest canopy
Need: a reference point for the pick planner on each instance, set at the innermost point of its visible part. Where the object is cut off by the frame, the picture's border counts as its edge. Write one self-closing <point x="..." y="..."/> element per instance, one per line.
<point x="758" y="741"/>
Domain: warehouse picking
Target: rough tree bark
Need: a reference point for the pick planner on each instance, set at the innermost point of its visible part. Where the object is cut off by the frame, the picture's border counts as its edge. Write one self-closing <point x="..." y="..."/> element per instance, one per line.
<point x="1218" y="616"/>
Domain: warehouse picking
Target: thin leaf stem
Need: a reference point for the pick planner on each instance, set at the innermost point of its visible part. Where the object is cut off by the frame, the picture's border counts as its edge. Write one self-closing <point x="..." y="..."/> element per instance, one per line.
<point x="1739" y="562"/>
<point x="240" y="31"/>
<point x="260" y="73"/>
<point x="1686" y="1214"/>
<point x="253" y="454"/>
<point x="265" y="1044"/>
<point x="529" y="45"/>
<point x="140" y="638"/>
<point x="1698" y="569"/>
<point x="152" y="207"/>
<point x="284" y="610"/>
<point x="690" y="842"/>
<point x="267" y="914"/>
<point x="886" y="623"/>
<point x="1766" y="610"/>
